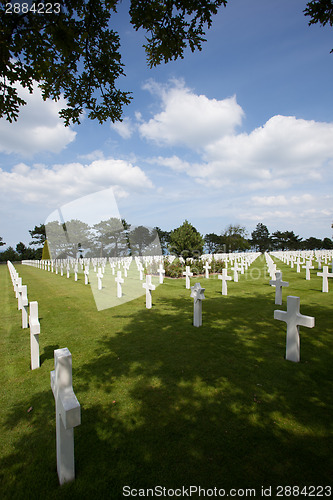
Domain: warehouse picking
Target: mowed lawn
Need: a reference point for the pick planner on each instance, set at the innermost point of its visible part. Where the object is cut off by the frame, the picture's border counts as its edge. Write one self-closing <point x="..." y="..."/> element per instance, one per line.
<point x="162" y="402"/>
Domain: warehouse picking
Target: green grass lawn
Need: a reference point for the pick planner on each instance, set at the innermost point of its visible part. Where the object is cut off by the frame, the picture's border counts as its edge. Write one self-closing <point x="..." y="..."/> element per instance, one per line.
<point x="162" y="402"/>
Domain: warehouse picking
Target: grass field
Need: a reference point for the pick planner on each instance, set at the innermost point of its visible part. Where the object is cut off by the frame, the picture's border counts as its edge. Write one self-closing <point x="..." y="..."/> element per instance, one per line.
<point x="162" y="402"/>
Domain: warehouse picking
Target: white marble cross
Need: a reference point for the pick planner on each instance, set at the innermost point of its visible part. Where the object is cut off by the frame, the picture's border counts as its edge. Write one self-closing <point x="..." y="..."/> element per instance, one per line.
<point x="17" y="286"/>
<point x="99" y="276"/>
<point x="34" y="334"/>
<point x="68" y="413"/>
<point x="188" y="275"/>
<point x="140" y="269"/>
<point x="307" y="267"/>
<point x="197" y="294"/>
<point x="294" y="320"/>
<point x="61" y="269"/>
<point x="278" y="283"/>
<point x="86" y="275"/>
<point x="224" y="277"/>
<point x="24" y="303"/>
<point x="325" y="275"/>
<point x="161" y="272"/>
<point x="149" y="287"/>
<point x="119" y="280"/>
<point x="235" y="270"/>
<point x="68" y="268"/>
<point x="298" y="265"/>
<point x="206" y="267"/>
<point x="75" y="272"/>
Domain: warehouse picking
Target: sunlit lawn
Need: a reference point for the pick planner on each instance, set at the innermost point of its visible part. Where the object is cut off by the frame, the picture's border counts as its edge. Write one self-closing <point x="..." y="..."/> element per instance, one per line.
<point x="162" y="402"/>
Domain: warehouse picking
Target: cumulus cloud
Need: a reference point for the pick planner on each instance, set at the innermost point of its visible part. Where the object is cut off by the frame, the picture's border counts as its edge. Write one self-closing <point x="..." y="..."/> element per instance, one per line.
<point x="283" y="144"/>
<point x="38" y="127"/>
<point x="188" y="119"/>
<point x="125" y="128"/>
<point x="42" y="185"/>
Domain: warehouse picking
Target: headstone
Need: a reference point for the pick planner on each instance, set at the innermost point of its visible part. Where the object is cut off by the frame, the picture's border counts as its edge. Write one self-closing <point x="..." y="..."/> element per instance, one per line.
<point x="307" y="267"/>
<point x="34" y="334"/>
<point x="99" y="278"/>
<point x="197" y="294"/>
<point x="224" y="277"/>
<point x="278" y="283"/>
<point x="24" y="303"/>
<point x="294" y="320"/>
<point x="149" y="287"/>
<point x="68" y="413"/>
<point x="86" y="275"/>
<point x="161" y="272"/>
<point x="188" y="275"/>
<point x="140" y="269"/>
<point x="119" y="280"/>
<point x="235" y="270"/>
<point x="325" y="275"/>
<point x="75" y="272"/>
<point x="206" y="268"/>
<point x="68" y="268"/>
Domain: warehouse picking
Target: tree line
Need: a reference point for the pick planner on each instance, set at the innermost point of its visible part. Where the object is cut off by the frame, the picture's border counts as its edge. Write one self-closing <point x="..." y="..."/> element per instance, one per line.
<point x="115" y="237"/>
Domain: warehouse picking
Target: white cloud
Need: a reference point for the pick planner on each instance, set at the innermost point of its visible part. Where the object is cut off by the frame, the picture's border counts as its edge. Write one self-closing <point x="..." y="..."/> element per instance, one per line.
<point x="284" y="152"/>
<point x="284" y="145"/>
<point x="281" y="200"/>
<point x="41" y="185"/>
<point x="125" y="128"/>
<point x="38" y="127"/>
<point x="189" y="119"/>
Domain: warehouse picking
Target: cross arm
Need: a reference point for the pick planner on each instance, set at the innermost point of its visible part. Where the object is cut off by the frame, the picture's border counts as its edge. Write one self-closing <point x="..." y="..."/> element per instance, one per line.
<point x="68" y="406"/>
<point x="308" y="321"/>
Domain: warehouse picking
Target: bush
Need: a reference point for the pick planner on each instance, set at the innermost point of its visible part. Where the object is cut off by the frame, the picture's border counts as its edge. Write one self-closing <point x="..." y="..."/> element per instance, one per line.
<point x="175" y="269"/>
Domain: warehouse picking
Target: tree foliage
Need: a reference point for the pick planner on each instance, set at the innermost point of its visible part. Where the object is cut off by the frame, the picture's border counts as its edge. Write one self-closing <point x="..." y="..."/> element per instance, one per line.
<point x="73" y="51"/>
<point x="234" y="238"/>
<point x="38" y="234"/>
<point x="261" y="238"/>
<point x="320" y="11"/>
<point x="186" y="241"/>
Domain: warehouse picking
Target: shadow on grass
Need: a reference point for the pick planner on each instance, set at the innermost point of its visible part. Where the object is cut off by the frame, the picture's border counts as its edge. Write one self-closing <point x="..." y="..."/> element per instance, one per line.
<point x="48" y="353"/>
<point x="165" y="403"/>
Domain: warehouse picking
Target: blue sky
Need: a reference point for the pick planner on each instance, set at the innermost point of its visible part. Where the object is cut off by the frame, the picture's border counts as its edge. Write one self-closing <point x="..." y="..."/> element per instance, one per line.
<point x="239" y="133"/>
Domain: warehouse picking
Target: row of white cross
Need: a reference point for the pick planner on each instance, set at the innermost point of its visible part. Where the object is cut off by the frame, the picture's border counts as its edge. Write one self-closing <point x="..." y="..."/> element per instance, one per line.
<point x="306" y="258"/>
<point x="68" y="411"/>
<point x="31" y="320"/>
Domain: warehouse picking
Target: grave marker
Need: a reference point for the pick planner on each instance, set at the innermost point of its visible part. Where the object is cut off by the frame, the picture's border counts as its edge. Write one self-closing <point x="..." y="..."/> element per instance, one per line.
<point x="149" y="287"/>
<point x="188" y="275"/>
<point x="278" y="283"/>
<point x="119" y="280"/>
<point x="68" y="413"/>
<point x="34" y="334"/>
<point x="99" y="276"/>
<point x="206" y="268"/>
<point x="307" y="267"/>
<point x="294" y="320"/>
<point x="24" y="303"/>
<point x="325" y="275"/>
<point x="161" y="272"/>
<point x="197" y="293"/>
<point x="224" y="277"/>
